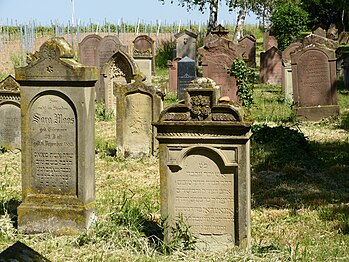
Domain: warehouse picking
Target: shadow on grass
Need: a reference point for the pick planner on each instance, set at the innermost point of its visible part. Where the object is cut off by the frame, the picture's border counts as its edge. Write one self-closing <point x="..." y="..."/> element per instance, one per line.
<point x="10" y="207"/>
<point x="290" y="172"/>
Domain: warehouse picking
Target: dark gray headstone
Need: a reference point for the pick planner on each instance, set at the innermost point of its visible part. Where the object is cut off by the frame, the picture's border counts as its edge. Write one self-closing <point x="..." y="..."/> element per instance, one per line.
<point x="21" y="252"/>
<point x="186" y="73"/>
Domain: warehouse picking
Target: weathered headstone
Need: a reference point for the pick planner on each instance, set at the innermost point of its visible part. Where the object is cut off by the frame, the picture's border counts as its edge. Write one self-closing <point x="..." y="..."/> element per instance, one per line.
<point x="172" y="66"/>
<point x="120" y="68"/>
<point x="287" y="86"/>
<point x="343" y="38"/>
<point x="249" y="55"/>
<point x="57" y="107"/>
<point x="107" y="47"/>
<point x="314" y="83"/>
<point x="87" y="49"/>
<point x="271" y="66"/>
<point x="218" y="54"/>
<point x="332" y="33"/>
<point x="186" y="73"/>
<point x="144" y="55"/>
<point x="205" y="169"/>
<point x="21" y="253"/>
<point x="10" y="113"/>
<point x="269" y="41"/>
<point x="186" y="44"/>
<point x="138" y="105"/>
<point x="320" y="31"/>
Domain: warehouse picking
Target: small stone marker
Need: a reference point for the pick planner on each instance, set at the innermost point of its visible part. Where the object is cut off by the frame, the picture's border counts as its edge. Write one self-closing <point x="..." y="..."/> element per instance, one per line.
<point x="10" y="114"/>
<point x="205" y="168"/>
<point x="186" y="44"/>
<point x="57" y="106"/>
<point x="87" y="49"/>
<point x="320" y="31"/>
<point x="172" y="66"/>
<point x="271" y="66"/>
<point x="343" y="38"/>
<point x="21" y="253"/>
<point x="249" y="55"/>
<point x="314" y="82"/>
<point x="186" y="73"/>
<point x="138" y="105"/>
<point x="144" y="55"/>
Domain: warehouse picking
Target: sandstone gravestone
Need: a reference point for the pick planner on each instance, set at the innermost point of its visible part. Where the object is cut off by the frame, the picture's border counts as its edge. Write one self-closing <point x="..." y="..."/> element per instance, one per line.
<point x="87" y="49"/>
<point x="269" y="41"/>
<point x="107" y="47"/>
<point x="320" y="31"/>
<point x="138" y="105"/>
<point x="343" y="38"/>
<point x="144" y="56"/>
<point x="218" y="54"/>
<point x="271" y="66"/>
<point x="249" y="55"/>
<point x="286" y="76"/>
<point x="186" y="44"/>
<point x="21" y="253"/>
<point x="173" y="74"/>
<point x="205" y="168"/>
<point x="57" y="107"/>
<point x="332" y="33"/>
<point x="10" y="114"/>
<point x="186" y="73"/>
<point x="314" y="83"/>
<point x="120" y="68"/>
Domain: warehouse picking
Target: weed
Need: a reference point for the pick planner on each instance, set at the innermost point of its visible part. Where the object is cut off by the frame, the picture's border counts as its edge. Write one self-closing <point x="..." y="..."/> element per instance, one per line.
<point x="102" y="113"/>
<point x="170" y="98"/>
<point x="164" y="53"/>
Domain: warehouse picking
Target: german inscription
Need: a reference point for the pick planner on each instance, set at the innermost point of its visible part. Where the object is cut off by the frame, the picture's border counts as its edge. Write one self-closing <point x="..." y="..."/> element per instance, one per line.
<point x="53" y="145"/>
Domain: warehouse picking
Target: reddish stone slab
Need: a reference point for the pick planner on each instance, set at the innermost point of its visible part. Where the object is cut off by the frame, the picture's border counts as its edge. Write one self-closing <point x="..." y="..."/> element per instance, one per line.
<point x="271" y="66"/>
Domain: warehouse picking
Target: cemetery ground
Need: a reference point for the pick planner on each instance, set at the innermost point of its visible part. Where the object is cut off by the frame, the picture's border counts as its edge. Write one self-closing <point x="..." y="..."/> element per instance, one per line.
<point x="300" y="196"/>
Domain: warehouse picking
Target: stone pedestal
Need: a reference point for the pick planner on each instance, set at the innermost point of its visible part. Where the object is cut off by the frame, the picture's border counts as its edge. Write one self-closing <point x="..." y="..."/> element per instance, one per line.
<point x="57" y="108"/>
<point x="205" y="169"/>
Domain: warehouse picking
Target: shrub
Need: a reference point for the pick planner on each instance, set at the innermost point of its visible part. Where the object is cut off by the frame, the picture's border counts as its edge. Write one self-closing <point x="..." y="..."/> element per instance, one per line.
<point x="164" y="53"/>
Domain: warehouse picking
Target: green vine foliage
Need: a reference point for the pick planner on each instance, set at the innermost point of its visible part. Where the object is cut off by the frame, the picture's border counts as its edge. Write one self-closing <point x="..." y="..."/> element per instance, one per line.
<point x="245" y="79"/>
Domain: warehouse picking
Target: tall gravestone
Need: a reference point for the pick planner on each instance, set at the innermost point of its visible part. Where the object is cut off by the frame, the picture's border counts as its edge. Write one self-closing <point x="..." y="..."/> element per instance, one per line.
<point x="144" y="56"/>
<point x="107" y="47"/>
<point x="271" y="66"/>
<point x="121" y="69"/>
<point x="87" y="49"/>
<point x="185" y="74"/>
<point x="314" y="82"/>
<point x="269" y="41"/>
<point x="172" y="66"/>
<point x="10" y="113"/>
<point x="249" y="54"/>
<point x="205" y="168"/>
<point x="138" y="105"/>
<point x="57" y="108"/>
<point x="186" y="44"/>
<point x="287" y="86"/>
<point x="218" y="54"/>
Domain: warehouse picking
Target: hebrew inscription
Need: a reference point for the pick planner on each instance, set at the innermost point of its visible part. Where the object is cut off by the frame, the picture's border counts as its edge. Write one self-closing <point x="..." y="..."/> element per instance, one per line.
<point x="204" y="196"/>
<point x="53" y="145"/>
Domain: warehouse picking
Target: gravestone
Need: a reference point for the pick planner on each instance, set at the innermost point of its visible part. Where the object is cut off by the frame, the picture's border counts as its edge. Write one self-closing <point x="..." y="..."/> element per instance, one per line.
<point x="87" y="49"/>
<point x="332" y="33"/>
<point x="21" y="253"/>
<point x="185" y="74"/>
<point x="186" y="44"/>
<point x="10" y="114"/>
<point x="218" y="54"/>
<point x="107" y="47"/>
<point x="57" y="108"/>
<point x="286" y="76"/>
<point x="249" y="55"/>
<point x="343" y="38"/>
<point x="205" y="169"/>
<point x="138" y="105"/>
<point x="314" y="83"/>
<point x="173" y="74"/>
<point x="271" y="66"/>
<point x="345" y="58"/>
<point x="320" y="31"/>
<point x="120" y="68"/>
<point x="144" y="56"/>
<point x="269" y="41"/>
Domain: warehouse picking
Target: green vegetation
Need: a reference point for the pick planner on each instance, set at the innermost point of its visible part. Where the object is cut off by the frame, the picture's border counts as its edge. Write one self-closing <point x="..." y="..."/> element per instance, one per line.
<point x="102" y="113"/>
<point x="164" y="53"/>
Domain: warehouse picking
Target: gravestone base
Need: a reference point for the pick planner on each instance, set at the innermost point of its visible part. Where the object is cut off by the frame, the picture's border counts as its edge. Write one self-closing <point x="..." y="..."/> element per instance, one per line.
<point x="59" y="218"/>
<point x="316" y="113"/>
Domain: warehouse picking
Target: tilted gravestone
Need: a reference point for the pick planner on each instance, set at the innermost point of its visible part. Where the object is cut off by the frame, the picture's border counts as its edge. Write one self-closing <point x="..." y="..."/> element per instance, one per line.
<point x="87" y="49"/>
<point x="138" y="105"/>
<point x="21" y="252"/>
<point x="218" y="54"/>
<point x="107" y="47"/>
<point x="271" y="66"/>
<point x="320" y="31"/>
<point x="343" y="38"/>
<point x="172" y="66"/>
<point x="57" y="107"/>
<point x="144" y="55"/>
<point x="249" y="54"/>
<point x="10" y="113"/>
<point x="186" y="44"/>
<point x="269" y="41"/>
<point x="120" y="68"/>
<point x="287" y="86"/>
<point x="185" y="74"/>
<point x="204" y="152"/>
<point x="314" y="82"/>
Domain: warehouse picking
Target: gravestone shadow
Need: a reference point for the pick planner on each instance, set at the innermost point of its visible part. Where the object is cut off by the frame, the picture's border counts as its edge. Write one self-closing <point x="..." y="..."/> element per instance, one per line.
<point x="10" y="207"/>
